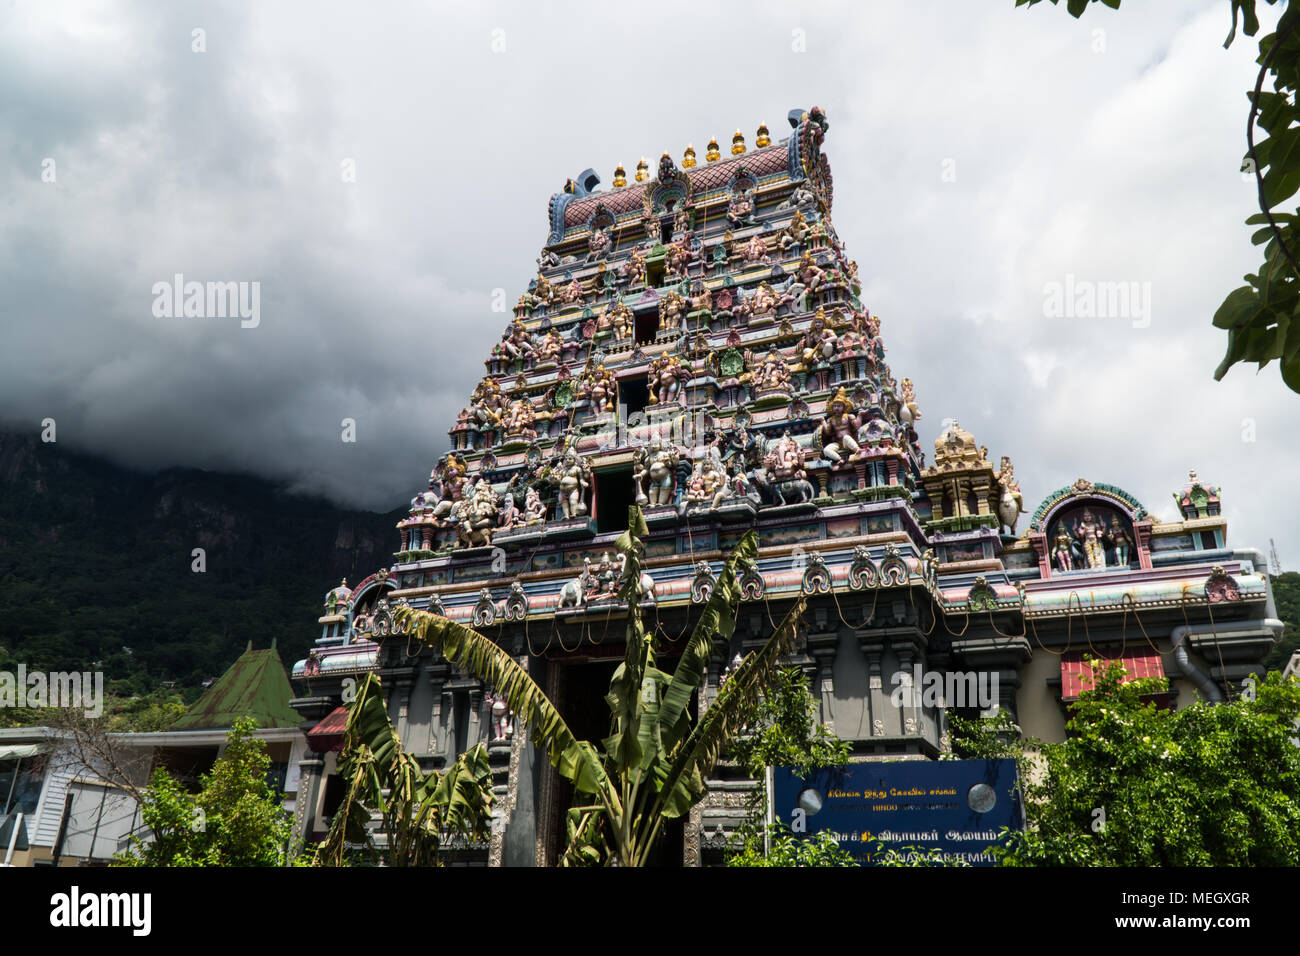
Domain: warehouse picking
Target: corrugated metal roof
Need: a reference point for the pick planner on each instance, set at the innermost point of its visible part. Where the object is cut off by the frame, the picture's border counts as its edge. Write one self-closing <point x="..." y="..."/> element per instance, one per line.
<point x="1076" y="675"/>
<point x="254" y="686"/>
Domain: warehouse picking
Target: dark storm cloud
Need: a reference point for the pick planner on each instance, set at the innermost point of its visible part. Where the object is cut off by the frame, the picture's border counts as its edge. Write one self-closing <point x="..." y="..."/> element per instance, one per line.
<point x="1108" y="157"/>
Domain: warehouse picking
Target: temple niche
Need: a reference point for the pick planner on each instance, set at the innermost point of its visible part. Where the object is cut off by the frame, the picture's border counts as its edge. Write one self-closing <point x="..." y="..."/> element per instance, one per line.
<point x="1092" y="536"/>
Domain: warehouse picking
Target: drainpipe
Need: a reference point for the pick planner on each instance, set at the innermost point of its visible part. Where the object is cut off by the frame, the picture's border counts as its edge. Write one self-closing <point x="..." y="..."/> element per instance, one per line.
<point x="1178" y="638"/>
<point x="1257" y="559"/>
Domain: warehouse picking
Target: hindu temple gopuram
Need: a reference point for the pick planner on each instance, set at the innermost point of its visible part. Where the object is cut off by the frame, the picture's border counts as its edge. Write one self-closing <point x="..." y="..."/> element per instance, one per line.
<point x="694" y="341"/>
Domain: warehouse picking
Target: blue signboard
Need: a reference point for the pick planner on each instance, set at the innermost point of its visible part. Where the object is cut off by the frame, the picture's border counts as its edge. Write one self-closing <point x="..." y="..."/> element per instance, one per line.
<point x="957" y="807"/>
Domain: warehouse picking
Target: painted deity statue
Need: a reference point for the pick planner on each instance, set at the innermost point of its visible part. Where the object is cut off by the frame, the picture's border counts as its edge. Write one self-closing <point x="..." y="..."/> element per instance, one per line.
<point x="784" y="460"/>
<point x="818" y="342"/>
<point x="682" y="221"/>
<point x="655" y="466"/>
<point x="599" y="387"/>
<point x="574" y="480"/>
<point x="763" y="302"/>
<point x="487" y="404"/>
<point x="702" y="301"/>
<point x="621" y="321"/>
<point x="678" y="257"/>
<point x="770" y="371"/>
<point x="572" y="293"/>
<point x="1061" y="552"/>
<point x="517" y="342"/>
<point x="909" y="411"/>
<point x="672" y="311"/>
<point x="810" y="275"/>
<point x="839" y="427"/>
<point x="666" y="377"/>
<point x="1119" y="541"/>
<point x="796" y="233"/>
<point x="549" y="348"/>
<point x="542" y="295"/>
<point x="475" y="516"/>
<point x="634" y="269"/>
<point x="1006" y="478"/>
<point x="755" y="250"/>
<point x="534" y="508"/>
<point x="598" y="243"/>
<point x="1089" y="531"/>
<point x="740" y="209"/>
<point x="709" y="483"/>
<point x="520" y="419"/>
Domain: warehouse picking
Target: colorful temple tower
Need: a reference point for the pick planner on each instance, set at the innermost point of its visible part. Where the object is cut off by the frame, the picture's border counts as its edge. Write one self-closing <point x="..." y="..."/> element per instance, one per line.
<point x="694" y="342"/>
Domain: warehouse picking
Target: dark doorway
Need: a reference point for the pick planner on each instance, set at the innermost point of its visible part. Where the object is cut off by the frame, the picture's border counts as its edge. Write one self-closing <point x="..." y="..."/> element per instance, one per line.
<point x="666" y="231"/>
<point x="583" y="706"/>
<point x="647" y="326"/>
<point x="614" y="493"/>
<point x="635" y="394"/>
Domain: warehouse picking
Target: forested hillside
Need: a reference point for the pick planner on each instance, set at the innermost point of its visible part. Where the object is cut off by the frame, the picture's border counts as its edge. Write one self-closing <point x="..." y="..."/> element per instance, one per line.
<point x="95" y="566"/>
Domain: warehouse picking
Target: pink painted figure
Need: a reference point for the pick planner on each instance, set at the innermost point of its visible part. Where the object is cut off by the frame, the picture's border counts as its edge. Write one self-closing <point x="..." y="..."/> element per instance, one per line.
<point x="1089" y="530"/>
<point x="839" y="428"/>
<point x="1061" y="553"/>
<point x="810" y="274"/>
<point x="572" y="293"/>
<point x="672" y="311"/>
<point x="1119" y="541"/>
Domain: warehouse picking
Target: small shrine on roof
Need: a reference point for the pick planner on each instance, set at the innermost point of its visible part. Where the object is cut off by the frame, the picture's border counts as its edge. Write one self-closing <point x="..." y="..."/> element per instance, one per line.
<point x="694" y="341"/>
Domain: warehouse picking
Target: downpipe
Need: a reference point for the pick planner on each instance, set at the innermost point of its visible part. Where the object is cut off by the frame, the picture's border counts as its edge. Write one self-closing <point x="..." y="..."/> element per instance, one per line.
<point x="1179" y="635"/>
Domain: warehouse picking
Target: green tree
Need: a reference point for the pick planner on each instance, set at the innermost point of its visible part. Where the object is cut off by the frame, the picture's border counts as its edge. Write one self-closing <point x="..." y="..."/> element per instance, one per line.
<point x="419" y="810"/>
<point x="1139" y="785"/>
<point x="236" y="819"/>
<point x="652" y="767"/>
<point x="1262" y="318"/>
<point x="783" y="731"/>
<point x="1286" y="592"/>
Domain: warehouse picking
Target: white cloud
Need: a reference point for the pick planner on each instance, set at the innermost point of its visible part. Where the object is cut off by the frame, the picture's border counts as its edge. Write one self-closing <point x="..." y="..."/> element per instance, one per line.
<point x="1111" y="166"/>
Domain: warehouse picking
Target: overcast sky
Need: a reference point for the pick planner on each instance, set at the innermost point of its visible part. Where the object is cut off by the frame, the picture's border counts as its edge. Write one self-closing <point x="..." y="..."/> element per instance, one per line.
<point x="980" y="153"/>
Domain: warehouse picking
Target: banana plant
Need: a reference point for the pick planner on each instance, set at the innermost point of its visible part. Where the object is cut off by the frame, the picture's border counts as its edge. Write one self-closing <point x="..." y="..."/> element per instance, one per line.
<point x="419" y="811"/>
<point x="652" y="767"/>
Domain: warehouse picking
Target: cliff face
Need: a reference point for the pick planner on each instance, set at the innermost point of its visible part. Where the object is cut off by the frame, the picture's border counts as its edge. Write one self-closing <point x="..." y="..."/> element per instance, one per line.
<point x="97" y="564"/>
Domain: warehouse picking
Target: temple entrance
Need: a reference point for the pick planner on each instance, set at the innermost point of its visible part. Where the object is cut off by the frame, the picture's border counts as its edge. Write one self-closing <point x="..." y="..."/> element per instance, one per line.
<point x="584" y="684"/>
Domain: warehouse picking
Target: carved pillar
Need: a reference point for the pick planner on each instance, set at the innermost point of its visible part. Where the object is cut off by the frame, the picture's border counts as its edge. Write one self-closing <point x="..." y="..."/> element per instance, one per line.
<point x="549" y="816"/>
<point x="476" y="733"/>
<point x="910" y="712"/>
<point x="823" y="646"/>
<point x="310" y="772"/>
<point x="438" y="674"/>
<point x="873" y="650"/>
<point x="403" y="708"/>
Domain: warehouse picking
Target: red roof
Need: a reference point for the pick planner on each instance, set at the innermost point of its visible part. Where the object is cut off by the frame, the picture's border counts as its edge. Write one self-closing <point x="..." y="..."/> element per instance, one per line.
<point x="1076" y="675"/>
<point x="328" y="734"/>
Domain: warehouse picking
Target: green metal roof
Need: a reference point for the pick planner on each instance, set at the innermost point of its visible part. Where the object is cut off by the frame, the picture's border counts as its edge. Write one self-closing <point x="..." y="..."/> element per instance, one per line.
<point x="254" y="686"/>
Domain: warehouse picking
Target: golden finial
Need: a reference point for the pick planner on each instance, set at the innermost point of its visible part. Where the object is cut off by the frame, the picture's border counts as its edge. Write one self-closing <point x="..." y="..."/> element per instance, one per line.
<point x="738" y="143"/>
<point x="713" y="154"/>
<point x="763" y="138"/>
<point x="642" y="171"/>
<point x="620" y="176"/>
<point x="688" y="157"/>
